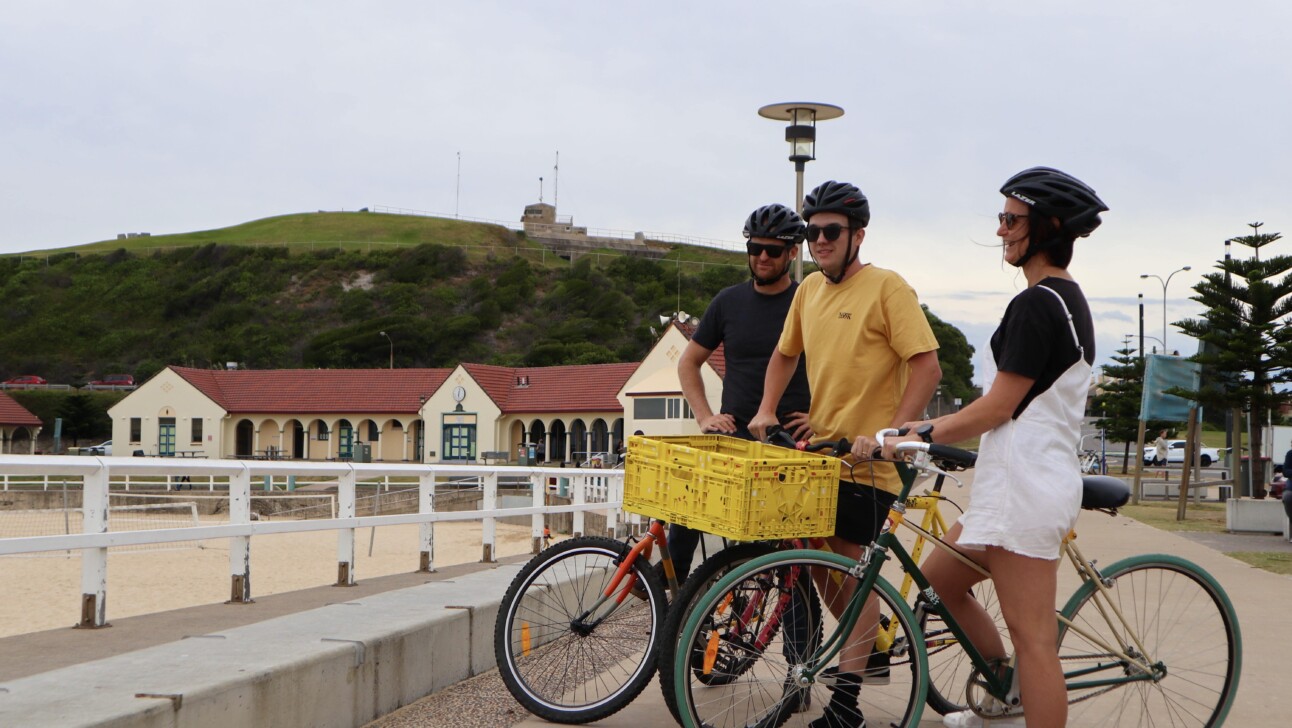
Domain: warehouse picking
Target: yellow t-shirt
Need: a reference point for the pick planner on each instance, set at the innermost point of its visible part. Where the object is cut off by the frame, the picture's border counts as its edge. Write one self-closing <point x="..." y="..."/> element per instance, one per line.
<point x="857" y="336"/>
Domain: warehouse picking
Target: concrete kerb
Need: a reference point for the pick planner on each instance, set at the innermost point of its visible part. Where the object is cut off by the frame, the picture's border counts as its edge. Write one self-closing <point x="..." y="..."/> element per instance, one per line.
<point x="340" y="665"/>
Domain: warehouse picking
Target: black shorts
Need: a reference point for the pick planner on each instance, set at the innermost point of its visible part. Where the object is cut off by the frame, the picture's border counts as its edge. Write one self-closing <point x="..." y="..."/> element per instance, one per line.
<point x="861" y="512"/>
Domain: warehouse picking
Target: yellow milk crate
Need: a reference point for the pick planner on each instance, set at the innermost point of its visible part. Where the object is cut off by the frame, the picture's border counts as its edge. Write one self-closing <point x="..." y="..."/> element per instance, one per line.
<point x="730" y="487"/>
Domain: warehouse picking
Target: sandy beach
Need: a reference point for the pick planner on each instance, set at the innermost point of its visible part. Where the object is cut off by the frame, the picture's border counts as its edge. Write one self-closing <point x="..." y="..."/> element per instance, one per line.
<point x="43" y="592"/>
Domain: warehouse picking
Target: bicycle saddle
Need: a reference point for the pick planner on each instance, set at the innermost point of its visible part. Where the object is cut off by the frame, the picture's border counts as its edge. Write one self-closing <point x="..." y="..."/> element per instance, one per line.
<point x="1103" y="491"/>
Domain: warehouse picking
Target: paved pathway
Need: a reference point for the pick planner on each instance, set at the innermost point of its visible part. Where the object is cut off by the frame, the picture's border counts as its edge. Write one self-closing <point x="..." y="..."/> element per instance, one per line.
<point x="1259" y="596"/>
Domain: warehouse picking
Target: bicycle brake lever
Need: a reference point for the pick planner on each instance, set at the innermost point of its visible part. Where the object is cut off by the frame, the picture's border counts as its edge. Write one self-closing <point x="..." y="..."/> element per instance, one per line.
<point x="924" y="462"/>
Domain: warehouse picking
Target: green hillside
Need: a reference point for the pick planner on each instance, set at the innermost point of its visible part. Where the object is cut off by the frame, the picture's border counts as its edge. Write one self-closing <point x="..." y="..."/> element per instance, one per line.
<point x="316" y="290"/>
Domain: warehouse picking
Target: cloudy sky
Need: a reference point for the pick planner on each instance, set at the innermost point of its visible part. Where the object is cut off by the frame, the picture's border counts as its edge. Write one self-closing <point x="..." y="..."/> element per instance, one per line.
<point x="174" y="116"/>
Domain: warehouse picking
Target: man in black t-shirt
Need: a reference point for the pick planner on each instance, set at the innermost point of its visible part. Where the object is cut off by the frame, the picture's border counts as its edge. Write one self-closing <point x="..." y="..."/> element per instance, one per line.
<point x="747" y="318"/>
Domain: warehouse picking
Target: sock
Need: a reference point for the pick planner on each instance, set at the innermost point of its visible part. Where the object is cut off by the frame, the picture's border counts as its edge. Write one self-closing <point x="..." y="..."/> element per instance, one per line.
<point x="842" y="712"/>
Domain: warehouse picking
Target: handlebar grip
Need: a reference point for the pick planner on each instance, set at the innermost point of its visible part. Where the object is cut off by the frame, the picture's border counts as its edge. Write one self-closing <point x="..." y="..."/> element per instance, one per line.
<point x="776" y="435"/>
<point x="954" y="454"/>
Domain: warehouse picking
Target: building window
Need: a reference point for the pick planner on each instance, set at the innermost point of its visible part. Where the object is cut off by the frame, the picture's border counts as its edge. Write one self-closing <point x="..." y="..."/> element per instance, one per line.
<point x="323" y="433"/>
<point x="679" y="408"/>
<point x="373" y="431"/>
<point x="648" y="409"/>
<point x="196" y="437"/>
<point x="136" y="430"/>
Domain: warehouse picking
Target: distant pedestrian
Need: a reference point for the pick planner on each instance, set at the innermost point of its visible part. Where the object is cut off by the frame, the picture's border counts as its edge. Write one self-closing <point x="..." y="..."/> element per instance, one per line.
<point x="1160" y="449"/>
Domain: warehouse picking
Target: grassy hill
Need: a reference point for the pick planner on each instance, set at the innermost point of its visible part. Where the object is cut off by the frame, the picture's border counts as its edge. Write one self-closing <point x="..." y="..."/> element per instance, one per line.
<point x="316" y="290"/>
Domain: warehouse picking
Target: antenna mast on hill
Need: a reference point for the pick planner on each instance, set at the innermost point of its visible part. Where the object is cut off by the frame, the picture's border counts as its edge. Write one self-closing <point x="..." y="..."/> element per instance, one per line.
<point x="556" y="180"/>
<point x="540" y="189"/>
<point x="457" y="190"/>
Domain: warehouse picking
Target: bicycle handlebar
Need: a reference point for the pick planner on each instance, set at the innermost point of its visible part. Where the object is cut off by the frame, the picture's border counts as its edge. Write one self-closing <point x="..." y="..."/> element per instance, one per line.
<point x="944" y="453"/>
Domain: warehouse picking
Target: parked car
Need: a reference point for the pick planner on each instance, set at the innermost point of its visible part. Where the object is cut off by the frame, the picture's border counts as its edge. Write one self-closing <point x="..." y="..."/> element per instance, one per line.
<point x="115" y="380"/>
<point x="26" y="379"/>
<point x="1175" y="454"/>
<point x="103" y="448"/>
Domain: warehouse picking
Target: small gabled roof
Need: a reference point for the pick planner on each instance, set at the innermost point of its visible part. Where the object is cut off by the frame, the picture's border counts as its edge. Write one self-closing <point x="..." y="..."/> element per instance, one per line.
<point x="316" y="391"/>
<point x="717" y="360"/>
<point x="574" y="388"/>
<point x="12" y="413"/>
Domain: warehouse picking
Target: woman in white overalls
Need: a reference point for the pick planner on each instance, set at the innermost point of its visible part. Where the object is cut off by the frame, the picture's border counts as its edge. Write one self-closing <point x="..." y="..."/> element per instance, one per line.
<point x="1027" y="483"/>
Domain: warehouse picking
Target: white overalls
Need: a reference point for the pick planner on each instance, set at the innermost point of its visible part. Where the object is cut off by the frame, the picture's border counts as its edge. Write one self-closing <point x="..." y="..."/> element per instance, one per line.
<point x="1027" y="483"/>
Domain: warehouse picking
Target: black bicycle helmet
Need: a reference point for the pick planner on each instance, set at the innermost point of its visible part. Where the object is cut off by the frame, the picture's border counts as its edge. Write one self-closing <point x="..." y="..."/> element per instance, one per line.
<point x="840" y="197"/>
<point x="777" y="222"/>
<point x="1059" y="194"/>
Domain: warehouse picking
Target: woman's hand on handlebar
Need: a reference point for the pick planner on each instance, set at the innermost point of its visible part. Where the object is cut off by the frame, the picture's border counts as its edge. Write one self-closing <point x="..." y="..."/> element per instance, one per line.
<point x="891" y="441"/>
<point x="863" y="448"/>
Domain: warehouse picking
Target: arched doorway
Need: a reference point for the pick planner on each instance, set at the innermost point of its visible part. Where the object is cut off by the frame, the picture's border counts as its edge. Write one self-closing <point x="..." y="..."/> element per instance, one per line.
<point x="538" y="437"/>
<point x="243" y="435"/>
<point x="558" y="449"/>
<point x="578" y="442"/>
<point x="600" y="436"/>
<point x="298" y="435"/>
<point x="344" y="440"/>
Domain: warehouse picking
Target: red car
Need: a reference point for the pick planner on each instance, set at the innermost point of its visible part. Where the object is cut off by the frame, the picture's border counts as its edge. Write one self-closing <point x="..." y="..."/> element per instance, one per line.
<point x="26" y="379"/>
<point x="115" y="380"/>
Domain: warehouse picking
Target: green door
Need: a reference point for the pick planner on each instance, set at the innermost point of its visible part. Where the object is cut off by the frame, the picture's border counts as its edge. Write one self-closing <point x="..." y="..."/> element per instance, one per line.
<point x="459" y="442"/>
<point x="345" y="441"/>
<point x="166" y="437"/>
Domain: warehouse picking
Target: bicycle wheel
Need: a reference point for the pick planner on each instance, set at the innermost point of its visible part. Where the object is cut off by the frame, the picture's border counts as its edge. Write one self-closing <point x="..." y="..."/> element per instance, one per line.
<point x="564" y="651"/>
<point x="760" y="694"/>
<point x="949" y="665"/>
<point x="1183" y="634"/>
<point x="805" y="604"/>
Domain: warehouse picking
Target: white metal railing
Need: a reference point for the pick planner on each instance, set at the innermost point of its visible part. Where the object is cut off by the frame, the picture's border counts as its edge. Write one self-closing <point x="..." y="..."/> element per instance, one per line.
<point x="591" y="490"/>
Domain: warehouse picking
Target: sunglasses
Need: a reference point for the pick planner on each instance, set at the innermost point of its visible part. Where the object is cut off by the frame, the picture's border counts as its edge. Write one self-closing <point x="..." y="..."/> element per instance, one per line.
<point x="830" y="231"/>
<point x="1009" y="219"/>
<point x="773" y="251"/>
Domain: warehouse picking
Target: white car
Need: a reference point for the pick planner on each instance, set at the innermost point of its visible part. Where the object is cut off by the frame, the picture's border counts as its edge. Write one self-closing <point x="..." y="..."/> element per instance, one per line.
<point x="1175" y="454"/>
<point x="103" y="448"/>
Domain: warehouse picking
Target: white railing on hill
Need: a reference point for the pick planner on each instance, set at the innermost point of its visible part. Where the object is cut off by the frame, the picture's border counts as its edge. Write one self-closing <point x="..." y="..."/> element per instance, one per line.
<point x="591" y="490"/>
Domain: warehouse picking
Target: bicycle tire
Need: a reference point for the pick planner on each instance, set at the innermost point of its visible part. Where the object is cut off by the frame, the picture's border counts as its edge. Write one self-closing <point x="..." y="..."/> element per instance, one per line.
<point x="1182" y="618"/>
<point x="949" y="664"/>
<point x="704" y="577"/>
<point x="761" y="697"/>
<point x="566" y="671"/>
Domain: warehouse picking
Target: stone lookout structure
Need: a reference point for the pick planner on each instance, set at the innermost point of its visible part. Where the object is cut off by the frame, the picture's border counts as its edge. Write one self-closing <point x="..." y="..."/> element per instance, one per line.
<point x="560" y="234"/>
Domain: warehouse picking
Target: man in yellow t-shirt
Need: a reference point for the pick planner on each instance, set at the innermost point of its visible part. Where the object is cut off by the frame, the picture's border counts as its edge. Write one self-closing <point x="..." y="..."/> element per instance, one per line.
<point x="872" y="363"/>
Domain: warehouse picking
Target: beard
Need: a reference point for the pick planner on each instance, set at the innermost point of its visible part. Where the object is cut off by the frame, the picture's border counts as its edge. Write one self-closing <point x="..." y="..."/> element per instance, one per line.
<point x="784" y="271"/>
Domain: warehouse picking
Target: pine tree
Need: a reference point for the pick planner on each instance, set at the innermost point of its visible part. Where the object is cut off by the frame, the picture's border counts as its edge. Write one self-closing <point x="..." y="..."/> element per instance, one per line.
<point x="1245" y="331"/>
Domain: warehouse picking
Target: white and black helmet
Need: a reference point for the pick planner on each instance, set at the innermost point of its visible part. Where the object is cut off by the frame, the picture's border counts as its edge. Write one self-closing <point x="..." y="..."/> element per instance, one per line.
<point x="777" y="222"/>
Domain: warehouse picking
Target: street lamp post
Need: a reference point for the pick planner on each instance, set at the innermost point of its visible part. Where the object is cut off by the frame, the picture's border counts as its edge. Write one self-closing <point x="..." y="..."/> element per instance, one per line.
<point x="1165" y="283"/>
<point x="801" y="134"/>
<point x="392" y="349"/>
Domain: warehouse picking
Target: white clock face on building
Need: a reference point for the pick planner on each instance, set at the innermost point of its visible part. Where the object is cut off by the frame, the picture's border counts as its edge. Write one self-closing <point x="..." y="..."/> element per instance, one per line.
<point x="459" y="394"/>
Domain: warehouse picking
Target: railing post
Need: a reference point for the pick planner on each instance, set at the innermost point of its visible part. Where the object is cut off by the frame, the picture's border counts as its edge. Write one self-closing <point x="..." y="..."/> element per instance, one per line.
<point x="489" y="523"/>
<point x="94" y="561"/>
<point x="612" y="514"/>
<point x="240" y="546"/>
<point x="538" y="485"/>
<point x="426" y="531"/>
<point x="345" y="536"/>
<point x="578" y="486"/>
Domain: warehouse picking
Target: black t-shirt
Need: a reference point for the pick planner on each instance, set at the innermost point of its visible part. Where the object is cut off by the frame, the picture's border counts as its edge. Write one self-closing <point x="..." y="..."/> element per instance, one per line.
<point x="1034" y="339"/>
<point x="750" y="324"/>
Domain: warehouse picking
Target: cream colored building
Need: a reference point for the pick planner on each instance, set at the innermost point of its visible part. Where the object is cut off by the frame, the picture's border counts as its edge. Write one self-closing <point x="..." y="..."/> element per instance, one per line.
<point x="471" y="413"/>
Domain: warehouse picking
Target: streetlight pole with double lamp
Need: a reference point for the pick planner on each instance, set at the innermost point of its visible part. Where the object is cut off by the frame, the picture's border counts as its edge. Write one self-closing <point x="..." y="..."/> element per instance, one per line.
<point x="1165" y="283"/>
<point x="801" y="134"/>
<point x="392" y="348"/>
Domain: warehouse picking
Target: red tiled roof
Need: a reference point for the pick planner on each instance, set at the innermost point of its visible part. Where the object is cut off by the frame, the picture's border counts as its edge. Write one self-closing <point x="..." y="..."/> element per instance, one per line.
<point x="575" y="388"/>
<point x="316" y="391"/>
<point x="12" y="413"/>
<point x="717" y="360"/>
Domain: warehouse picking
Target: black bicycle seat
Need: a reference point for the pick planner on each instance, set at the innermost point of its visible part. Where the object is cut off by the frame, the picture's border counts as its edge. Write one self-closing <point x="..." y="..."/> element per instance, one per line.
<point x="1103" y="491"/>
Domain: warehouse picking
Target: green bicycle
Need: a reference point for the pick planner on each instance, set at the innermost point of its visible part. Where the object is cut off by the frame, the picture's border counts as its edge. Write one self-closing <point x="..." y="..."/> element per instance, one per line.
<point x="1151" y="638"/>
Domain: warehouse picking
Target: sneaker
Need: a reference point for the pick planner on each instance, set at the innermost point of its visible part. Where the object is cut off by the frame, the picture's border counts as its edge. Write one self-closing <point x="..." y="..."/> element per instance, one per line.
<point x="876" y="672"/>
<point x="970" y="719"/>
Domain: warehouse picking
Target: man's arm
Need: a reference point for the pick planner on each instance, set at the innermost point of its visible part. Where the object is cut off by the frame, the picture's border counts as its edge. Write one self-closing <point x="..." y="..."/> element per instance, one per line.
<point x="688" y="372"/>
<point x="780" y="368"/>
<point x="921" y="383"/>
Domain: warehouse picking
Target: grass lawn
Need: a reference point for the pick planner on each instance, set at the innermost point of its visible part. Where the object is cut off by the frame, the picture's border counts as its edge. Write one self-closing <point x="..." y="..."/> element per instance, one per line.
<point x="1279" y="563"/>
<point x="1198" y="516"/>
